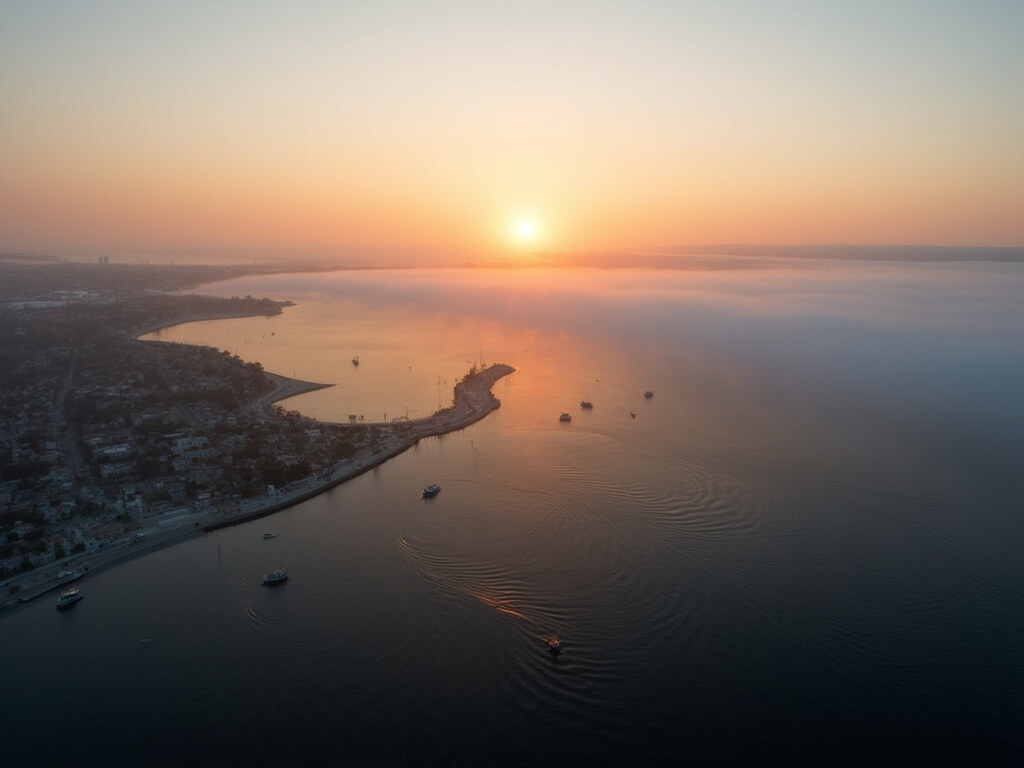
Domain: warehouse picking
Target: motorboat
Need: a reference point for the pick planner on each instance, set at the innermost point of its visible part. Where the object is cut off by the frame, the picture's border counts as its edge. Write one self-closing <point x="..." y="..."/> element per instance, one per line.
<point x="648" y="394"/>
<point x="431" y="491"/>
<point x="68" y="598"/>
<point x="269" y="535"/>
<point x="565" y="417"/>
<point x="280" y="576"/>
<point x="586" y="404"/>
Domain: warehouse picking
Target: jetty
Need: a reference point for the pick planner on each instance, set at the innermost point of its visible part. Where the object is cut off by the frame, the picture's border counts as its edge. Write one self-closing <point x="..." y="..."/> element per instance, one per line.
<point x="473" y="400"/>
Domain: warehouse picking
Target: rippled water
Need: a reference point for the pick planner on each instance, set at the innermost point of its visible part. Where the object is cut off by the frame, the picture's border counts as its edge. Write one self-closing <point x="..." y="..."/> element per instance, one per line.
<point x="806" y="545"/>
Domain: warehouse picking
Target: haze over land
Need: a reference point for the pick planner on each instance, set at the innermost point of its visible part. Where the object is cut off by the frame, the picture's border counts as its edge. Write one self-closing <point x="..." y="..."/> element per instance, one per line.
<point x="408" y="134"/>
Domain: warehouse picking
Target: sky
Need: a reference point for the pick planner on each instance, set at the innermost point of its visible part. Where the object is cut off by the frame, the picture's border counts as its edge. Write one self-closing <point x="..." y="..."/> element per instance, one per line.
<point x="399" y="132"/>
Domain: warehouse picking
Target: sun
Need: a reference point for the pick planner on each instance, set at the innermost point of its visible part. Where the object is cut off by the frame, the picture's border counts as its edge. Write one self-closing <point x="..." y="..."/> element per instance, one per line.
<point x="525" y="230"/>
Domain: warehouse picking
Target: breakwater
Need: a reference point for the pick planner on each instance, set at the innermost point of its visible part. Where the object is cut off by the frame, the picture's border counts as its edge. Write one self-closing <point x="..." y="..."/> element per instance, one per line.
<point x="473" y="400"/>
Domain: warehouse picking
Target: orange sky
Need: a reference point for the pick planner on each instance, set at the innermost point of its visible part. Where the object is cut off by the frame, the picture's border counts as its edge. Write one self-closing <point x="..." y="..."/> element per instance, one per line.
<point x="399" y="133"/>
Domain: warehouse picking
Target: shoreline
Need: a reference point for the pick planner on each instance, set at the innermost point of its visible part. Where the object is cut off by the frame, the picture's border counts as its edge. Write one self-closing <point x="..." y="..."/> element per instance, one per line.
<point x="473" y="400"/>
<point x="284" y="386"/>
<point x="95" y="562"/>
<point x="197" y="317"/>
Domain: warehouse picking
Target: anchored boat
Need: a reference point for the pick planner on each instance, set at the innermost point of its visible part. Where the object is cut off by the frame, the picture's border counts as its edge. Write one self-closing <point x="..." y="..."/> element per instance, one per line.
<point x="65" y="577"/>
<point x="280" y="576"/>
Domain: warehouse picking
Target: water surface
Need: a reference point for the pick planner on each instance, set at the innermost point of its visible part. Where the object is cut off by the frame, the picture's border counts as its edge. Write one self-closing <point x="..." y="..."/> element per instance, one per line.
<point x="805" y="545"/>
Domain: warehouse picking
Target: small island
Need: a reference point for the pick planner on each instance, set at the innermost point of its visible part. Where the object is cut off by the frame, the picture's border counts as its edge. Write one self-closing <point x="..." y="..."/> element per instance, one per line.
<point x="114" y="446"/>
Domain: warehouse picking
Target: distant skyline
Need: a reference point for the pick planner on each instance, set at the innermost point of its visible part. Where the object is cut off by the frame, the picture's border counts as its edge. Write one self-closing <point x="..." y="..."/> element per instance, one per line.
<point x="417" y="133"/>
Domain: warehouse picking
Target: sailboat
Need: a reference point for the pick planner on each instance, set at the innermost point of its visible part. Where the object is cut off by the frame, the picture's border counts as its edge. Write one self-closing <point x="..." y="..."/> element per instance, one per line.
<point x="279" y="576"/>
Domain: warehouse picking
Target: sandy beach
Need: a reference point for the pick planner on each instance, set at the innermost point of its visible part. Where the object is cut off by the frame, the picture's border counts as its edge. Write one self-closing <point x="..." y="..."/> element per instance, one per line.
<point x="285" y="388"/>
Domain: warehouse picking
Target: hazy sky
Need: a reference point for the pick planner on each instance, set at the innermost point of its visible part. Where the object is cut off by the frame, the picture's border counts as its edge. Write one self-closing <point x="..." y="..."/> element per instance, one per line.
<point x="403" y="132"/>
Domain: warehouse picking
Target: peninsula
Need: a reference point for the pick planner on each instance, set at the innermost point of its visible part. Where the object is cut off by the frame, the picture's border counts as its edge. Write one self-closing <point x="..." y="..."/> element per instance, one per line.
<point x="473" y="400"/>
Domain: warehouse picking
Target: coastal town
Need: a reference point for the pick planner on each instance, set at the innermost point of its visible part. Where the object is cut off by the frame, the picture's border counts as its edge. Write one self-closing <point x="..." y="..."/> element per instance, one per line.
<point x="110" y="445"/>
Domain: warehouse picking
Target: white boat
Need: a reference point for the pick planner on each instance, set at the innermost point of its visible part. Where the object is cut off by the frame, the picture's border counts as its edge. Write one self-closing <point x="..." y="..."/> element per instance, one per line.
<point x="276" y="577"/>
<point x="65" y="577"/>
<point x="431" y="491"/>
<point x="69" y="598"/>
<point x="565" y="417"/>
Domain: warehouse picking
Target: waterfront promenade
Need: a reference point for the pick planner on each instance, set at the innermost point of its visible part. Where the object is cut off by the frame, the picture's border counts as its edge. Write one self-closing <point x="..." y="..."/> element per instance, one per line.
<point x="473" y="400"/>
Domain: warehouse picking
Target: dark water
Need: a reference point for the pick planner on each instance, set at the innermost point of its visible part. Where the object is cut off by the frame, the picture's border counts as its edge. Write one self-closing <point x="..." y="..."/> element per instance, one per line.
<point x="806" y="546"/>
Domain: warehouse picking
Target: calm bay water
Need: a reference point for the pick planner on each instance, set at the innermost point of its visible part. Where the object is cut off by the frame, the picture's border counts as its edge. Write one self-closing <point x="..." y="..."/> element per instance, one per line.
<point x="806" y="545"/>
